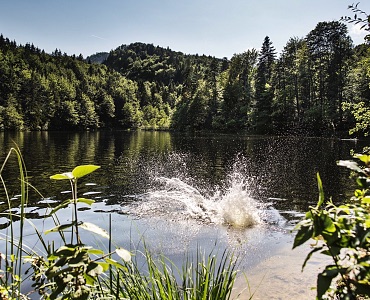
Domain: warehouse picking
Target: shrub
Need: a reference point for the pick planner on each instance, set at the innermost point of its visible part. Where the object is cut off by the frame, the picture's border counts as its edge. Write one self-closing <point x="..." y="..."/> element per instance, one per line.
<point x="342" y="233"/>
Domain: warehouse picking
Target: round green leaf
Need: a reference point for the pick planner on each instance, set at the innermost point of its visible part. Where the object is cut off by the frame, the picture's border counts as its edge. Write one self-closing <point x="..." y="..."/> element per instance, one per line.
<point x="83" y="170"/>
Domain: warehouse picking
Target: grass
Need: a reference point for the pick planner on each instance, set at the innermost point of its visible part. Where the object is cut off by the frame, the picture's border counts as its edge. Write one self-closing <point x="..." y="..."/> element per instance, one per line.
<point x="78" y="271"/>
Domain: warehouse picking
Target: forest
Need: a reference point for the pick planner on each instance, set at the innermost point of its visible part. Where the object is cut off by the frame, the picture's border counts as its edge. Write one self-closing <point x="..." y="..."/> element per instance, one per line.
<point x="317" y="85"/>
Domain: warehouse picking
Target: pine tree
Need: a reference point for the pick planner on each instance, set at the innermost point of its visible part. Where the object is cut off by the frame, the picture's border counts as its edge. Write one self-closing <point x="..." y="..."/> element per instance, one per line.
<point x="264" y="89"/>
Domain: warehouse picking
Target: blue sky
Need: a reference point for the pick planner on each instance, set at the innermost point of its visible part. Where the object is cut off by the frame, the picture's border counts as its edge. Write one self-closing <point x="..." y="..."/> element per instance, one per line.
<point x="219" y="28"/>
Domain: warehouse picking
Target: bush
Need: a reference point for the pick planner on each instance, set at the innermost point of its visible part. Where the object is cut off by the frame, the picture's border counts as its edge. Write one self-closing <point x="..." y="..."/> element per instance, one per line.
<point x="342" y="233"/>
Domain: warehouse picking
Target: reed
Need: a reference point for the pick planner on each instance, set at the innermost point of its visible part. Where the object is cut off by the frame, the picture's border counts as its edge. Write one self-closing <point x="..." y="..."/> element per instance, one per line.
<point x="205" y="278"/>
<point x="78" y="271"/>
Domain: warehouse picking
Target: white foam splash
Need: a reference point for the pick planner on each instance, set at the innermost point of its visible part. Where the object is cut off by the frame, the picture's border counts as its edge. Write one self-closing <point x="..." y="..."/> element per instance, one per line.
<point x="236" y="206"/>
<point x="175" y="199"/>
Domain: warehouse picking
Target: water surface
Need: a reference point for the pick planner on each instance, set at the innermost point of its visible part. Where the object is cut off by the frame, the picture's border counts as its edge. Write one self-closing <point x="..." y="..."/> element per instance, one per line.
<point x="181" y="192"/>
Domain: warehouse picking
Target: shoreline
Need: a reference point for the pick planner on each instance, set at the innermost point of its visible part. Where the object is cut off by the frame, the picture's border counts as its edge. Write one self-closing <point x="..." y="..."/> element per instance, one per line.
<point x="280" y="277"/>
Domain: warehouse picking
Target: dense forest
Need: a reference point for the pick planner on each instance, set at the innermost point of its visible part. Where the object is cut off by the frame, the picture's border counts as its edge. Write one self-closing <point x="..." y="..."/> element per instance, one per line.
<point x="314" y="86"/>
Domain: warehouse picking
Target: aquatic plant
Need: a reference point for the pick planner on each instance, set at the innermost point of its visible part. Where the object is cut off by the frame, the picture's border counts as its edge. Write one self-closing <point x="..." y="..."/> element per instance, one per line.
<point x="206" y="278"/>
<point x="342" y="233"/>
<point x="78" y="271"/>
<point x="11" y="259"/>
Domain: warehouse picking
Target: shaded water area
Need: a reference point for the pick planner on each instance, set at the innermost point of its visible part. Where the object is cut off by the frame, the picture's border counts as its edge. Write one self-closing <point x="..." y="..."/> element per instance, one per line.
<point x="180" y="192"/>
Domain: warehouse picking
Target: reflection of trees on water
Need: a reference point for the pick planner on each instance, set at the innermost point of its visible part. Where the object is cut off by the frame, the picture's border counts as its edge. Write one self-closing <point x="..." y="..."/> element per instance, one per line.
<point x="278" y="167"/>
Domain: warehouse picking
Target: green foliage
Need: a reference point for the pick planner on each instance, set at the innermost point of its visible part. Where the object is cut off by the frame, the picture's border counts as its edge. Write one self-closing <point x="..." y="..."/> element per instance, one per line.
<point x="70" y="272"/>
<point x="150" y="87"/>
<point x="10" y="276"/>
<point x="78" y="271"/>
<point x="361" y="114"/>
<point x="360" y="17"/>
<point x="343" y="233"/>
<point x="206" y="279"/>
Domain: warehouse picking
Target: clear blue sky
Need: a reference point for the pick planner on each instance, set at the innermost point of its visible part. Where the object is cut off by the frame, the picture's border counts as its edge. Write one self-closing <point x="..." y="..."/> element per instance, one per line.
<point x="213" y="27"/>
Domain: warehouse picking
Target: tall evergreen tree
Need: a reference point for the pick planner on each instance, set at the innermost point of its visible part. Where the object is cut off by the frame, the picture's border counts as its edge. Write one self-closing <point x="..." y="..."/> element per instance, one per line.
<point x="330" y="49"/>
<point x="292" y="87"/>
<point x="264" y="88"/>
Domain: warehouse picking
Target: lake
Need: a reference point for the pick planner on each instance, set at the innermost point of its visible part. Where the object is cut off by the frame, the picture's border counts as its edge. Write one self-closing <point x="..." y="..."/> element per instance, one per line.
<point x="180" y="192"/>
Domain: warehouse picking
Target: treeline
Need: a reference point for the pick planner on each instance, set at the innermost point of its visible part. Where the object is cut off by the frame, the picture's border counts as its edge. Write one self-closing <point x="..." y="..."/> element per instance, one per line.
<point x="141" y="85"/>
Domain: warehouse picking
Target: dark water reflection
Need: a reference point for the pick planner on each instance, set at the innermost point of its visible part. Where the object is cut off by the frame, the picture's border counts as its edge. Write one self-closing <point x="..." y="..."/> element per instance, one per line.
<point x="281" y="169"/>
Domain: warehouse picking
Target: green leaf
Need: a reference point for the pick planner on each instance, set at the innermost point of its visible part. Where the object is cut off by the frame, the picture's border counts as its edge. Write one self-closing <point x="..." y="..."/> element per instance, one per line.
<point x="64" y="204"/>
<point x="79" y="260"/>
<point x="124" y="254"/>
<point x="309" y="255"/>
<point x="95" y="251"/>
<point x="328" y="224"/>
<point x="94" y="269"/>
<point x="366" y="200"/>
<point x="115" y="263"/>
<point x="60" y="227"/>
<point x="363" y="157"/>
<point x="83" y="170"/>
<point x="93" y="228"/>
<point x="104" y="265"/>
<point x="323" y="282"/>
<point x="363" y="289"/>
<point x="303" y="235"/>
<point x="89" y="279"/>
<point x="362" y="182"/>
<point x="62" y="176"/>
<point x="86" y="201"/>
<point x="321" y="191"/>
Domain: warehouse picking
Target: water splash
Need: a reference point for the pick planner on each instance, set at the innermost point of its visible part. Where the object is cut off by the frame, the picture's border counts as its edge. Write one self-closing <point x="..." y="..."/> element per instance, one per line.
<point x="178" y="198"/>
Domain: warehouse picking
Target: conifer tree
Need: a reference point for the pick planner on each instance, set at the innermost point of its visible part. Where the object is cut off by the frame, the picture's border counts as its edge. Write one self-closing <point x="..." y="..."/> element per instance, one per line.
<point x="264" y="89"/>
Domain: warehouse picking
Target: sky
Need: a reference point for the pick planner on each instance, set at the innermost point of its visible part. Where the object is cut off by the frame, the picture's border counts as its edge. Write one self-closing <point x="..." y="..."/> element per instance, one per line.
<point x="218" y="28"/>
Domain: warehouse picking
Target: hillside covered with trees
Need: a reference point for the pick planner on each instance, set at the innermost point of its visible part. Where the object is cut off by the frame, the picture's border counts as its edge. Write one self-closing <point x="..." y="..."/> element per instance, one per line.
<point x="314" y="86"/>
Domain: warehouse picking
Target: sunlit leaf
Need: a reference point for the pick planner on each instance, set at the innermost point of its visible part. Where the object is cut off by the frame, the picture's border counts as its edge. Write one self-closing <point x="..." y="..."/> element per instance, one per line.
<point x="89" y="279"/>
<point x="303" y="235"/>
<point x="327" y="223"/>
<point x="124" y="254"/>
<point x="64" y="204"/>
<point x="321" y="191"/>
<point x="60" y="228"/>
<point x="115" y="263"/>
<point x="366" y="200"/>
<point x="94" y="269"/>
<point x="93" y="228"/>
<point x="352" y="165"/>
<point x="86" y="201"/>
<point x="95" y="251"/>
<point x="83" y="170"/>
<point x="62" y="176"/>
<point x="363" y="157"/>
<point x="104" y="265"/>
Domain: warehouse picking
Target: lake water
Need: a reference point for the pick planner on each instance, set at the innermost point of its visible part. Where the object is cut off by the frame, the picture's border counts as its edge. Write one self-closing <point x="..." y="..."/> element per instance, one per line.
<point x="182" y="192"/>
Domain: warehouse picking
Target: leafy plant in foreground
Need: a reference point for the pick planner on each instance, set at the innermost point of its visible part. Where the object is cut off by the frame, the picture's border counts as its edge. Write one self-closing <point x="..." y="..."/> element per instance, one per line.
<point x="70" y="272"/>
<point x="205" y="279"/>
<point x="11" y="260"/>
<point x="78" y="271"/>
<point x="343" y="233"/>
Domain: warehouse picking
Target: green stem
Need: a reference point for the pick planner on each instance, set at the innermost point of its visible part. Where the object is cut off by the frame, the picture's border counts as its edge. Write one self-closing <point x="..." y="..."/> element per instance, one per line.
<point x="75" y="210"/>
